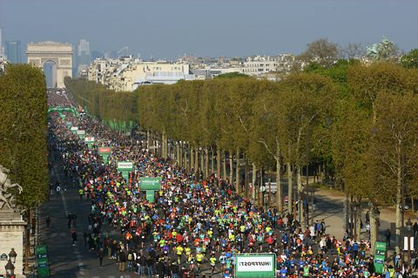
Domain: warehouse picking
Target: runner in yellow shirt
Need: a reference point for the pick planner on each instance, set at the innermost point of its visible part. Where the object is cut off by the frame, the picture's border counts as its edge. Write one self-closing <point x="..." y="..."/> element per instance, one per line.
<point x="179" y="252"/>
<point x="199" y="258"/>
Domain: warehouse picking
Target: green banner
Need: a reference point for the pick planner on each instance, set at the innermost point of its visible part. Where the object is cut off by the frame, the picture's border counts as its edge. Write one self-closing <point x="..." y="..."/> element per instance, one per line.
<point x="60" y="109"/>
<point x="125" y="166"/>
<point x="105" y="158"/>
<point x="125" y="175"/>
<point x="380" y="257"/>
<point x="150" y="195"/>
<point x="42" y="261"/>
<point x="150" y="183"/>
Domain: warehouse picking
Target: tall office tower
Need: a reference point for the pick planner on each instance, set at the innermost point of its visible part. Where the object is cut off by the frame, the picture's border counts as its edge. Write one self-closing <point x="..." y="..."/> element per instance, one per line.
<point x="13" y="51"/>
<point x="1" y="42"/>
<point x="83" y="55"/>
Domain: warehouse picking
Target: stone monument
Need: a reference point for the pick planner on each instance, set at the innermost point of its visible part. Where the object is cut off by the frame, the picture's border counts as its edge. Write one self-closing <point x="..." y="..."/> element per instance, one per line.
<point x="12" y="226"/>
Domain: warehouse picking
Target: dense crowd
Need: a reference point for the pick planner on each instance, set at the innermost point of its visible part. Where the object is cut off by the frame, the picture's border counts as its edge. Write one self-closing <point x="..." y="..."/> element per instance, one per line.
<point x="195" y="225"/>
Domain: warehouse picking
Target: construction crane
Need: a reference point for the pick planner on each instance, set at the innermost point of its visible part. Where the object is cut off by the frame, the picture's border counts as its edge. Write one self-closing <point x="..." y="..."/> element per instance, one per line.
<point x="125" y="48"/>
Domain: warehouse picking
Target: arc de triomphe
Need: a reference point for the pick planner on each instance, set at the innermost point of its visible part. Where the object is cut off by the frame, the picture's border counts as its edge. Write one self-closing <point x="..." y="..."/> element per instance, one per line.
<point x="61" y="54"/>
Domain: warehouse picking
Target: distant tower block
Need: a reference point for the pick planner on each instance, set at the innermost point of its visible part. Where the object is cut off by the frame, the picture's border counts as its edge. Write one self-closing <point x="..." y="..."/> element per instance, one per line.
<point x="61" y="54"/>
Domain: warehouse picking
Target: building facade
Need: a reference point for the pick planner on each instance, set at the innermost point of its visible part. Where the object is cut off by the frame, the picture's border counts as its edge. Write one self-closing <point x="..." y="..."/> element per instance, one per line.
<point x="128" y="73"/>
<point x="13" y="51"/>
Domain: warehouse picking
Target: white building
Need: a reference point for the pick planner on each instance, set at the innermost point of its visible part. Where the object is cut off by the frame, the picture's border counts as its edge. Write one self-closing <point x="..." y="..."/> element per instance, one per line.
<point x="259" y="65"/>
<point x="127" y="73"/>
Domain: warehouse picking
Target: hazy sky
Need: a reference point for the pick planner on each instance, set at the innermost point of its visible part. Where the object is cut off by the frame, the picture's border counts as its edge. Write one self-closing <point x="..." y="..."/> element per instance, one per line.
<point x="167" y="29"/>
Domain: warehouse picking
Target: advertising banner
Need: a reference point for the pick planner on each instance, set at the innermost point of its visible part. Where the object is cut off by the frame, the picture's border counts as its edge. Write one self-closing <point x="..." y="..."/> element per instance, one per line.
<point x="89" y="139"/>
<point x="255" y="266"/>
<point x="150" y="195"/>
<point x="150" y="183"/>
<point x="105" y="150"/>
<point x="380" y="256"/>
<point x="42" y="261"/>
<point x="125" y="166"/>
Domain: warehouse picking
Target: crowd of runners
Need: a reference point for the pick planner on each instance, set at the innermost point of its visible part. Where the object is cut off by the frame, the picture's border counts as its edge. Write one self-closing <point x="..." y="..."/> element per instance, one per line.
<point x="195" y="226"/>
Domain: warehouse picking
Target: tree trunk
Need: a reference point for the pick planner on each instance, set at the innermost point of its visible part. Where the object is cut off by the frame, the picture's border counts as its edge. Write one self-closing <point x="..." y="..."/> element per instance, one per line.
<point x="290" y="188"/>
<point x="206" y="162"/>
<point x="163" y="142"/>
<point x="178" y="157"/>
<point x="399" y="206"/>
<point x="27" y="243"/>
<point x="300" y="195"/>
<point x="246" y="178"/>
<point x="231" y="168"/>
<point x="212" y="162"/>
<point x="191" y="158"/>
<point x="358" y="222"/>
<point x="351" y="216"/>
<point x="261" y="184"/>
<point x="186" y="156"/>
<point x="253" y="182"/>
<point x="373" y="226"/>
<point x="218" y="162"/>
<point x="196" y="161"/>
<point x="148" y="141"/>
<point x="279" y="193"/>
<point x="202" y="163"/>
<point x="223" y="161"/>
<point x="346" y="212"/>
<point x="237" y="174"/>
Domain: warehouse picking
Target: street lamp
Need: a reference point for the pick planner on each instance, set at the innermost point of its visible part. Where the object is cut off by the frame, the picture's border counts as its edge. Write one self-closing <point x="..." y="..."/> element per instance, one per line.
<point x="13" y="255"/>
<point x="10" y="268"/>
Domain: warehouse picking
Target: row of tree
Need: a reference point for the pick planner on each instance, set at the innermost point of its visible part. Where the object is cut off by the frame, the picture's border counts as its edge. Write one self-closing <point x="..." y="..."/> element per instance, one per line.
<point x="23" y="137"/>
<point x="356" y="121"/>
<point x="23" y="131"/>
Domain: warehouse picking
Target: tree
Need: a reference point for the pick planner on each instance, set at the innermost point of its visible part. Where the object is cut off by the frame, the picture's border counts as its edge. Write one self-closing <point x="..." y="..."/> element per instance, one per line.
<point x="410" y="60"/>
<point x="231" y="75"/>
<point x="307" y="101"/>
<point x="395" y="147"/>
<point x="322" y="51"/>
<point x="23" y="129"/>
<point x="353" y="51"/>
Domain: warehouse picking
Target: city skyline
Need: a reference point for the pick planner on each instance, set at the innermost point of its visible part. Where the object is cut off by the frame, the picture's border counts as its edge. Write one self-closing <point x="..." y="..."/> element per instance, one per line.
<point x="169" y="29"/>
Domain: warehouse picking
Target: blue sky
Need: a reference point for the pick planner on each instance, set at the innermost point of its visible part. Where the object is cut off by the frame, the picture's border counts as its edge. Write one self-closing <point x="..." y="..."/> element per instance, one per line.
<point x="167" y="29"/>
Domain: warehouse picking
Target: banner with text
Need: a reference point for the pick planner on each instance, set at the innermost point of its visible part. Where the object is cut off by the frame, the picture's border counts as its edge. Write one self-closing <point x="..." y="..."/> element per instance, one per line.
<point x="125" y="166"/>
<point x="150" y="183"/>
<point x="255" y="266"/>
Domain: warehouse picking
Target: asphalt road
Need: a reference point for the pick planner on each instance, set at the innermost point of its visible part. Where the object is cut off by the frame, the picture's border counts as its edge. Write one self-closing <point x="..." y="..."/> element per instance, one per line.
<point x="66" y="260"/>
